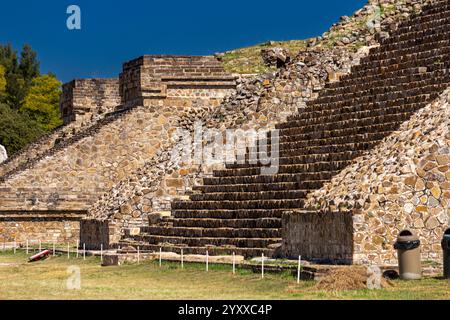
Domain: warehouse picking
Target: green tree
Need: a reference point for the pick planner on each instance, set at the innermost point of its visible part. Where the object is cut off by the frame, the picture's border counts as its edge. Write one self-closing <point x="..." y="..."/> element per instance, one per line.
<point x="42" y="102"/>
<point x="16" y="130"/>
<point x="8" y="59"/>
<point x="2" y="82"/>
<point x="29" y="65"/>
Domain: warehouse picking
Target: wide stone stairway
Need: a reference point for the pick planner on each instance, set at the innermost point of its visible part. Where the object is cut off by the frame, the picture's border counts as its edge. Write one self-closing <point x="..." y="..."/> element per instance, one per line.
<point x="239" y="209"/>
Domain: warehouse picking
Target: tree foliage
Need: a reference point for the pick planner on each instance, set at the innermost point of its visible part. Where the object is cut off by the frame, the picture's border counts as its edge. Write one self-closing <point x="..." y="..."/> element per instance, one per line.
<point x="42" y="102"/>
<point x="16" y="129"/>
<point x="2" y="81"/>
<point x="29" y="101"/>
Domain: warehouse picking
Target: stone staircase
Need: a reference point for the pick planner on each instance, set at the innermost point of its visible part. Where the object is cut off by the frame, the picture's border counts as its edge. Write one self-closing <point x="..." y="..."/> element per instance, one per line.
<point x="239" y="210"/>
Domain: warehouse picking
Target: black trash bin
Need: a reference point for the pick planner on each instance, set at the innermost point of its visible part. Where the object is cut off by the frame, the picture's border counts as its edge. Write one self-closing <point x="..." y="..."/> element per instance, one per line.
<point x="446" y="253"/>
<point x="408" y="249"/>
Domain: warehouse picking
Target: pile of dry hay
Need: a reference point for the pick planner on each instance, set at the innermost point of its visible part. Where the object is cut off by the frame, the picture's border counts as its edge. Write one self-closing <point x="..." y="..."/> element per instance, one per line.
<point x="347" y="278"/>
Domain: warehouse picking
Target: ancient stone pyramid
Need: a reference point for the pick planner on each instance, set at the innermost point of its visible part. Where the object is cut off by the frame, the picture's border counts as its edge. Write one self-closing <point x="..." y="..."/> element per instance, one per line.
<point x="240" y="210"/>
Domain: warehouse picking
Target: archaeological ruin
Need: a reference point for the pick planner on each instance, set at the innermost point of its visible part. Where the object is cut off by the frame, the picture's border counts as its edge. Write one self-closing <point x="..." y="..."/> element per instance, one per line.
<point x="364" y="150"/>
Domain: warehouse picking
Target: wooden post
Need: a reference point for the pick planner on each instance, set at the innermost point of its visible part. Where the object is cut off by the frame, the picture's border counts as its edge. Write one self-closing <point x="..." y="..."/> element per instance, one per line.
<point x="78" y="245"/>
<point x="68" y="250"/>
<point x="138" y="255"/>
<point x="84" y="251"/>
<point x="14" y="246"/>
<point x="27" y="246"/>
<point x="207" y="261"/>
<point x="234" y="263"/>
<point x="299" y="268"/>
<point x="262" y="266"/>
<point x="182" y="260"/>
<point x="54" y="247"/>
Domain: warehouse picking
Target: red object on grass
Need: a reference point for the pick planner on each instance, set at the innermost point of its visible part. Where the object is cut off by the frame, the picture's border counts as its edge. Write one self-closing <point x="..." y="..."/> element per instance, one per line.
<point x="39" y="256"/>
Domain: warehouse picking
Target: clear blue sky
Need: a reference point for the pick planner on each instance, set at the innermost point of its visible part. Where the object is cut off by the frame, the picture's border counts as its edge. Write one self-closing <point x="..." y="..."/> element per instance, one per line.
<point x="116" y="31"/>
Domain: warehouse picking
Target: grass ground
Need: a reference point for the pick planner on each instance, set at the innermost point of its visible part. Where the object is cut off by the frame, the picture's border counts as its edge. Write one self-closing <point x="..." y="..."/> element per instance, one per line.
<point x="47" y="280"/>
<point x="248" y="60"/>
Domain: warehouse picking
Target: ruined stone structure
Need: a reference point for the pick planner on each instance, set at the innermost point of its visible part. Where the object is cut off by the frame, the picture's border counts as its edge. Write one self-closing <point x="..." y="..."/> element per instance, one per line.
<point x="341" y="193"/>
<point x="239" y="210"/>
<point x="107" y="139"/>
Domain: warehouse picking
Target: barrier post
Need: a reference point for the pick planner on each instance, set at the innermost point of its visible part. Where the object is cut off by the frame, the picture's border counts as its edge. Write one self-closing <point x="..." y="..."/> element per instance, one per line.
<point x="138" y="255"/>
<point x="262" y="266"/>
<point x="182" y="259"/>
<point x="234" y="263"/>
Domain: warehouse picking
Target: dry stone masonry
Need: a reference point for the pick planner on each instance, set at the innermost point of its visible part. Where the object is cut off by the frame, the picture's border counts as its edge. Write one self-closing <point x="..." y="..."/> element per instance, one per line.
<point x="239" y="210"/>
<point x="83" y="100"/>
<point x="344" y="107"/>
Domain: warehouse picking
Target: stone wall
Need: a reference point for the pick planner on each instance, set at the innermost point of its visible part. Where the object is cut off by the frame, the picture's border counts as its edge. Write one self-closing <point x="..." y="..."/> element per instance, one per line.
<point x="82" y="100"/>
<point x="48" y="227"/>
<point x="322" y="237"/>
<point x="74" y="176"/>
<point x="404" y="183"/>
<point x="96" y="234"/>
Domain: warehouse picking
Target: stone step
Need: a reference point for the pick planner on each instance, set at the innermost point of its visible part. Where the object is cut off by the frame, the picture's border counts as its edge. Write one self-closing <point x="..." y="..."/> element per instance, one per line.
<point x="352" y="111"/>
<point x="292" y="168"/>
<point x="228" y="223"/>
<point x="243" y="196"/>
<point x="279" y="178"/>
<point x="212" y="232"/>
<point x="260" y="187"/>
<point x="239" y="205"/>
<point x="305" y="159"/>
<point x="226" y="214"/>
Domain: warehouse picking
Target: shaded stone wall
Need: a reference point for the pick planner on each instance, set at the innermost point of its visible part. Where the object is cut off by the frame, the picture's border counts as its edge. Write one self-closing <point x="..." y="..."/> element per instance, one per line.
<point x="321" y="237"/>
<point x="96" y="234"/>
<point x="84" y="99"/>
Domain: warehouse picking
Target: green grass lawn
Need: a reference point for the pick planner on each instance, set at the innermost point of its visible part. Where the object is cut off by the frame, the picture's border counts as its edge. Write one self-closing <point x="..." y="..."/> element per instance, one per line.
<point x="47" y="280"/>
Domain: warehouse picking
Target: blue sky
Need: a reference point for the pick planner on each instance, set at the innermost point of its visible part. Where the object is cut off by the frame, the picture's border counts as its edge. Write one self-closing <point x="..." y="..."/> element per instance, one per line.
<point x="117" y="31"/>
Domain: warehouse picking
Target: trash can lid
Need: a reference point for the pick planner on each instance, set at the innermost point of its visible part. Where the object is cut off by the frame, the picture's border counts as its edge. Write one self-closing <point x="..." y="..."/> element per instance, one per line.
<point x="407" y="236"/>
<point x="447" y="233"/>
